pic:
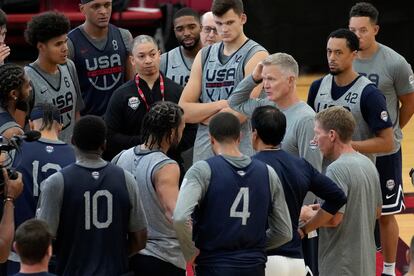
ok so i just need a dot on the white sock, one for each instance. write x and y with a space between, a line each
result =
389 269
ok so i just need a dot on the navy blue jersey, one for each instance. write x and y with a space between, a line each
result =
231 222
93 225
100 72
298 177
6 121
37 161
372 102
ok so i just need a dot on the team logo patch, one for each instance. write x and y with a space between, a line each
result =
384 116
49 149
241 173
390 184
313 145
411 79
133 103
95 175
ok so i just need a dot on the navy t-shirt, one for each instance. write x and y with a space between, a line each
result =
298 177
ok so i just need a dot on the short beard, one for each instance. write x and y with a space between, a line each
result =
335 73
192 47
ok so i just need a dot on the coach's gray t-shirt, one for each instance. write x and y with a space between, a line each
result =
176 66
393 75
299 135
349 248
144 164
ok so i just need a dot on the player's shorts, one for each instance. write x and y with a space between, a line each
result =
285 266
212 270
390 172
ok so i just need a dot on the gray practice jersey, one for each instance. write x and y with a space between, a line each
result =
299 135
162 242
220 75
53 190
100 44
176 66
394 77
350 100
349 248
61 89
194 188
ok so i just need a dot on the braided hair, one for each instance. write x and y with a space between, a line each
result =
160 122
12 77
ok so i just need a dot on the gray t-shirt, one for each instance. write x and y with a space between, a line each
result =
176 66
143 165
393 75
50 201
349 248
299 135
61 89
100 44
193 190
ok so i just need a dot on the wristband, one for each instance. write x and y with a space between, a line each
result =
257 82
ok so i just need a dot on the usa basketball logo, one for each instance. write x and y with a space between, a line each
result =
390 184
49 149
104 72
133 103
95 175
384 116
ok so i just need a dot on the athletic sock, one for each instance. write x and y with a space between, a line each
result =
389 269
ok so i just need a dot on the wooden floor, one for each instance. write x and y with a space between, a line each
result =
406 221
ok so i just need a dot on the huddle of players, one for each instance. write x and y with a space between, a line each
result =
233 68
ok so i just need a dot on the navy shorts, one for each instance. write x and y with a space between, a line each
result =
390 172
230 271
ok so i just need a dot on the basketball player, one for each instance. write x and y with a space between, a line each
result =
93 208
14 90
33 243
344 87
158 177
298 177
53 76
230 221
36 161
176 64
100 52
216 71
394 77
279 73
4 49
209 34
346 243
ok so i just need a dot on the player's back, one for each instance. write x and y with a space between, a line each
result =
36 161
93 227
296 176
231 221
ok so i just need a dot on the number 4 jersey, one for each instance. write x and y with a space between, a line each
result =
37 161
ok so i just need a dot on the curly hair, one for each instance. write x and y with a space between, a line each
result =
46 26
160 122
12 77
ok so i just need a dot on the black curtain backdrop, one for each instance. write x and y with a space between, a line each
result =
300 28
